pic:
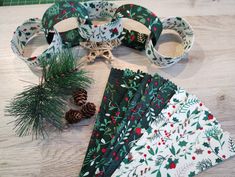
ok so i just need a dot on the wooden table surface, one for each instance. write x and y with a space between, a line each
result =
209 73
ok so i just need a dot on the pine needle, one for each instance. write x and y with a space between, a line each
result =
45 103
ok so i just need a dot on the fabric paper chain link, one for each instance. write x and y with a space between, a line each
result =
104 32
182 27
25 32
63 10
85 12
152 22
143 16
86 31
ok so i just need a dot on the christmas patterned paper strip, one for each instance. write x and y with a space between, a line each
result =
150 138
119 91
100 9
104 32
113 82
139 107
125 143
24 33
134 107
70 38
182 27
134 39
194 143
60 11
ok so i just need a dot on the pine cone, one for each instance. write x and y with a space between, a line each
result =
80 97
73 116
88 110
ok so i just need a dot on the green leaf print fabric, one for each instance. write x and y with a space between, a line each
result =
147 126
136 108
184 140
152 134
60 11
159 92
135 39
120 90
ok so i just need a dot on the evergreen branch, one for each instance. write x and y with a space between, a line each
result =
187 105
213 132
231 145
63 74
33 107
204 164
45 103
89 155
67 84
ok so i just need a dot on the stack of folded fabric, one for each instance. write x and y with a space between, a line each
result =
147 126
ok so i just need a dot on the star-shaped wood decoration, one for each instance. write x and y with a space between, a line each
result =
100 49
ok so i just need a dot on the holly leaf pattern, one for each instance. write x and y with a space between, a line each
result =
218 160
216 150
191 174
182 143
206 144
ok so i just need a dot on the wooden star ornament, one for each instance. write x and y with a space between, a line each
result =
100 49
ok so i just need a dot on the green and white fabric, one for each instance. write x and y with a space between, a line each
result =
184 140
185 31
63 10
104 32
24 33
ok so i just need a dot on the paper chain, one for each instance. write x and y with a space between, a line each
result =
87 32
24 33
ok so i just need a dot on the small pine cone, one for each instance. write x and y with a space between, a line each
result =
73 116
80 97
88 110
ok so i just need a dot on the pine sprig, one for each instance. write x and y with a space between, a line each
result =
45 103
231 145
59 65
64 75
33 107
204 164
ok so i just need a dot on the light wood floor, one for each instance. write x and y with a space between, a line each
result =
209 73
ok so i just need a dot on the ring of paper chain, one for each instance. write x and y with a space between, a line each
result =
60 11
24 33
104 32
185 31
134 39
